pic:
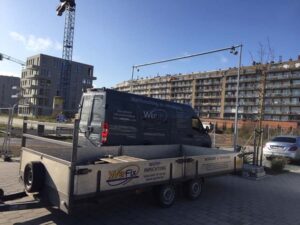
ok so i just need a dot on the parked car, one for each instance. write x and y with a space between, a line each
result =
286 146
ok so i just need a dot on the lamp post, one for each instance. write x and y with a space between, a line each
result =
233 50
237 100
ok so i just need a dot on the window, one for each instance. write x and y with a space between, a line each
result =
97 115
285 139
196 124
85 112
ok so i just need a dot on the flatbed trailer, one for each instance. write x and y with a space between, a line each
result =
69 174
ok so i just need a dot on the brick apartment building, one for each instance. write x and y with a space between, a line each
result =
212 94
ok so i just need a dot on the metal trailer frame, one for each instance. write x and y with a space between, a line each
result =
188 169
36 203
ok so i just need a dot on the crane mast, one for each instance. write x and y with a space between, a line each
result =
69 7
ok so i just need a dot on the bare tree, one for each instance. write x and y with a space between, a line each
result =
265 53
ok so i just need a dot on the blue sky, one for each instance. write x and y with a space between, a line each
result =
113 35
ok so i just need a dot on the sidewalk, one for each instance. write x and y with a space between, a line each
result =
226 200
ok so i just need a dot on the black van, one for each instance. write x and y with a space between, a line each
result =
109 117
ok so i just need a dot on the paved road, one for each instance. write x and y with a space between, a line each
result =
227 200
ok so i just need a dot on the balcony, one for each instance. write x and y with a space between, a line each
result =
36 76
32 67
210 103
253 80
248 103
210 97
268 95
249 88
231 81
248 96
209 90
283 77
278 86
273 112
229 103
30 86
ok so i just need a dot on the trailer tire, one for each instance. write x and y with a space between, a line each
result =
166 195
34 176
193 189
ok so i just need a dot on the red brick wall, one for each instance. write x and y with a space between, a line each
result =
272 124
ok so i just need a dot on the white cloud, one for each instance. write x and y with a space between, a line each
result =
36 44
58 46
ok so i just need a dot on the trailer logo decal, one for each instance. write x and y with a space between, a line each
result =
123 175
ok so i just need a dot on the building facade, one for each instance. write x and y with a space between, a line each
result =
272 89
40 84
6 90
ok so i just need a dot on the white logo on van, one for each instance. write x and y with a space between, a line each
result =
156 115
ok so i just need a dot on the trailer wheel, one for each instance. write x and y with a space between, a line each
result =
34 176
193 189
166 195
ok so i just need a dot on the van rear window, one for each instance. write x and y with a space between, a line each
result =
85 111
98 112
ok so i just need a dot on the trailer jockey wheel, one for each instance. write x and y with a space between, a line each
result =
166 195
34 176
193 189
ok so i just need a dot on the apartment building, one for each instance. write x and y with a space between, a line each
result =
6 91
40 84
271 88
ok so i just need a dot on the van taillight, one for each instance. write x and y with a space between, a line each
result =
104 133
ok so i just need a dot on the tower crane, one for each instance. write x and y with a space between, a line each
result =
3 56
69 7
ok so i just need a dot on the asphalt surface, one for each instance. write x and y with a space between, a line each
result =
226 200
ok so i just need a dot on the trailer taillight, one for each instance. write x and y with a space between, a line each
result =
104 133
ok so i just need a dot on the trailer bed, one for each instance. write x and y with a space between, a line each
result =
73 172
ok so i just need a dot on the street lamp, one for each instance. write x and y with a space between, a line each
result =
233 50
237 96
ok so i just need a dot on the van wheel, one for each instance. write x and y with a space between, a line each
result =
166 195
193 189
34 176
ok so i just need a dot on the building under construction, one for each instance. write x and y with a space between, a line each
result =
273 89
40 84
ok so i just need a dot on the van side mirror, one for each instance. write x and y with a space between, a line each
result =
207 129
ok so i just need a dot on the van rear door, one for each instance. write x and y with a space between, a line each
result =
98 129
85 112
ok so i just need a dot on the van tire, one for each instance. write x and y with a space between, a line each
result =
166 195
193 189
34 176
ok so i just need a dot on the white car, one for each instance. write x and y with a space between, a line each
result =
285 146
